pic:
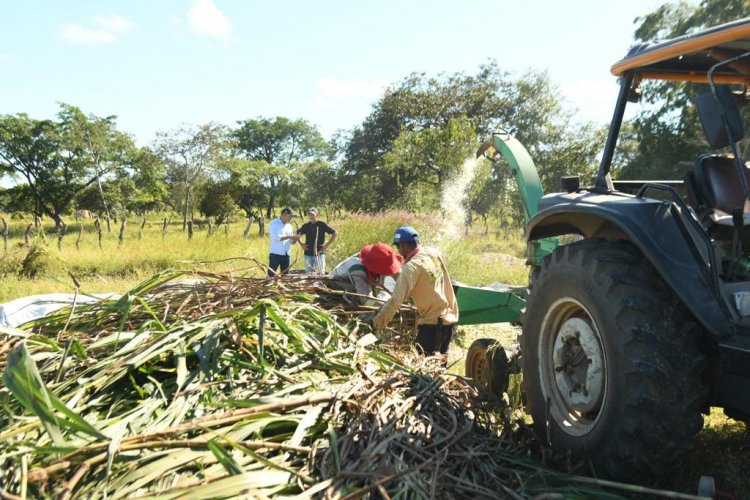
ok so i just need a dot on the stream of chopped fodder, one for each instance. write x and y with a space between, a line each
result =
229 387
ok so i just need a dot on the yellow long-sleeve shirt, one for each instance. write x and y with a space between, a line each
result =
425 279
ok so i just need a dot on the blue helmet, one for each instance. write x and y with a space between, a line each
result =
406 234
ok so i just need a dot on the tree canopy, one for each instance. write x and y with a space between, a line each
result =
283 145
666 136
423 128
59 159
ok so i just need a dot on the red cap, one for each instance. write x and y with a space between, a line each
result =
380 258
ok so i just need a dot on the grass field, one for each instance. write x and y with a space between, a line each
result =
476 259
720 449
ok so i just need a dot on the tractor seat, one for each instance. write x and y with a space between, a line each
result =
714 190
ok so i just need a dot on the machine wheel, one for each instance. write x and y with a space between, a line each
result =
487 365
611 361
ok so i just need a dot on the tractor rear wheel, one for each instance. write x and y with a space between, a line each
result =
611 361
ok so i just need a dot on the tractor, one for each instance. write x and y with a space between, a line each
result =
642 323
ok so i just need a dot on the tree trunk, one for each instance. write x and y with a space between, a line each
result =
187 205
190 229
164 228
246 232
104 200
5 235
271 205
261 226
60 234
59 222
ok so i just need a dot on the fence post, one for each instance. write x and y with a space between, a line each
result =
80 235
98 226
26 235
121 238
143 224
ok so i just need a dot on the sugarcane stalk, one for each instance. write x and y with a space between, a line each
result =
210 421
43 474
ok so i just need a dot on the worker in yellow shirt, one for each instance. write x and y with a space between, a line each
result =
424 278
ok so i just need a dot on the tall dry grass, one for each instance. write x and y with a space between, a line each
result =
474 259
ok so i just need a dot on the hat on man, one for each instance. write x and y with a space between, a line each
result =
406 234
287 210
380 259
312 210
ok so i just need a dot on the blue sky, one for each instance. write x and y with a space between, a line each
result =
157 64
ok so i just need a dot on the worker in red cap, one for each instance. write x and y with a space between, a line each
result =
365 272
424 278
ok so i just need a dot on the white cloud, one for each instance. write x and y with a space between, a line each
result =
7 58
332 91
206 19
114 24
100 30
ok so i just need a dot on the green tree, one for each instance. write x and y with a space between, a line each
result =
147 172
139 188
18 198
317 184
483 192
392 155
246 187
217 201
98 144
415 104
666 135
55 159
425 159
283 145
191 154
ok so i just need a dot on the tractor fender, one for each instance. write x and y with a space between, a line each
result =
657 229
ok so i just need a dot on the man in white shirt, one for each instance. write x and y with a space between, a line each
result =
282 236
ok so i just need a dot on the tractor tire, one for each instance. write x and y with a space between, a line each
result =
611 361
487 364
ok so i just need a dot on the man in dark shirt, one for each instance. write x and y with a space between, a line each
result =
314 243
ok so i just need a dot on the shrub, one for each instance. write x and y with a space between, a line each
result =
38 261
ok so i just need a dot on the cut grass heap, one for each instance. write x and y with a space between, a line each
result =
255 387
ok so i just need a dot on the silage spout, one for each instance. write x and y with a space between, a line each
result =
487 148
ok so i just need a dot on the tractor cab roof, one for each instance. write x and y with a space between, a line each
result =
689 57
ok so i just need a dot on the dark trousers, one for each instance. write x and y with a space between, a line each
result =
434 338
276 261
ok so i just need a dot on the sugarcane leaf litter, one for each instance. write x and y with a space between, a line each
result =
221 387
